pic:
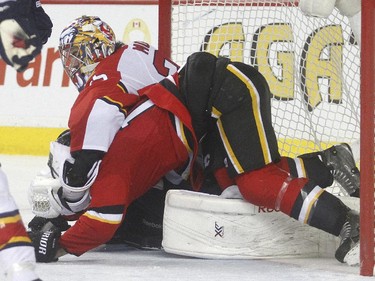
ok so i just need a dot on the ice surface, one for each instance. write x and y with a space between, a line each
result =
115 263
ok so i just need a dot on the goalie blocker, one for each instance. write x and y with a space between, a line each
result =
209 226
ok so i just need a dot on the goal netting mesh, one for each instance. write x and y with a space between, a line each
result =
312 64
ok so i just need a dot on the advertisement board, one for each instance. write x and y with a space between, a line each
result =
35 104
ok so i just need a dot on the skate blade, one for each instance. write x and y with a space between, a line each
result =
352 257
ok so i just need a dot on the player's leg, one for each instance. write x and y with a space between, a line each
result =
143 223
309 166
335 162
303 200
140 155
250 142
16 251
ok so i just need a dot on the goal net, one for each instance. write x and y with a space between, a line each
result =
312 64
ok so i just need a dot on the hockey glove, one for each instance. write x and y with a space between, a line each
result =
46 244
42 224
43 23
24 28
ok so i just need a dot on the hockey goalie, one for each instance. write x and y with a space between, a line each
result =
207 224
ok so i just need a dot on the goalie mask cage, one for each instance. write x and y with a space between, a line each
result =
312 66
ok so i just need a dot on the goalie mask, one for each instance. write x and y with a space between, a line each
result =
83 44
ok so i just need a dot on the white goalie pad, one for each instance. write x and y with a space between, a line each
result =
209 226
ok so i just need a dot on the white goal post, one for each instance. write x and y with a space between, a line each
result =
312 64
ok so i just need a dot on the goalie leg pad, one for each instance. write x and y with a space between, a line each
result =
209 226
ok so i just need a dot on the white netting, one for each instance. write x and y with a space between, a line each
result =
39 201
312 64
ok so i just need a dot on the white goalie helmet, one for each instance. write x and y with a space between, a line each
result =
83 44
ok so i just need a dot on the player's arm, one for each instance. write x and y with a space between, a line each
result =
80 171
47 187
24 28
50 204
94 123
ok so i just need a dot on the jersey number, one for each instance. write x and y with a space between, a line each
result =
160 63
98 77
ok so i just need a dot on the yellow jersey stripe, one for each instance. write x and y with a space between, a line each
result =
215 113
300 166
119 104
16 239
257 114
104 218
308 204
12 219
122 87
181 133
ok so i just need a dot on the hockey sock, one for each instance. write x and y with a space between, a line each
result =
316 170
299 198
307 166
270 187
319 208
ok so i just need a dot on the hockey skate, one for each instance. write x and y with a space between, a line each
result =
340 159
349 235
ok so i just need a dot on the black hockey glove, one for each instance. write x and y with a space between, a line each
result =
84 169
42 224
46 244
42 21
24 28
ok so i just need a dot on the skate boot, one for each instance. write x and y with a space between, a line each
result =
349 235
340 159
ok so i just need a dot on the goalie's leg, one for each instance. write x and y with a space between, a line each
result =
302 200
142 226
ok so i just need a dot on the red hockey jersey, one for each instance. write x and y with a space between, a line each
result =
100 109
96 116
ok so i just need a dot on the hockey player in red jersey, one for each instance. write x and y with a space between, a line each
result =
123 143
24 28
